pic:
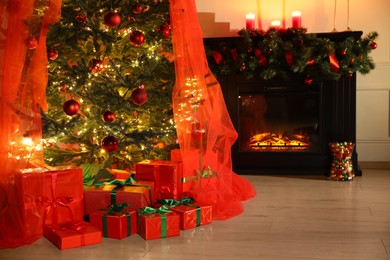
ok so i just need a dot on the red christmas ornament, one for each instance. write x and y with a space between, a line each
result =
343 52
31 43
217 57
112 19
243 67
373 45
308 80
257 52
71 107
350 74
234 54
52 54
289 57
96 65
110 143
263 60
108 116
137 38
165 30
139 96
137 8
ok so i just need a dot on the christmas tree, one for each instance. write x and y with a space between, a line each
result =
110 83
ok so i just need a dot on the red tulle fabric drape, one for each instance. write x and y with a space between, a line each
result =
23 80
204 128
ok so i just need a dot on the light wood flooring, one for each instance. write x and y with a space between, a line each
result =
292 217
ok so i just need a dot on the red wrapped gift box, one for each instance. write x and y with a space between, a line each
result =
119 225
176 155
193 215
71 235
167 176
51 195
158 225
119 174
96 198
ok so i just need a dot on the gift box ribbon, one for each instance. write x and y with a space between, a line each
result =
206 173
131 181
116 209
161 211
184 201
77 227
53 202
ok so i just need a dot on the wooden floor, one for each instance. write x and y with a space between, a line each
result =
291 217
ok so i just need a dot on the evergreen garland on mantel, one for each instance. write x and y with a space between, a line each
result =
291 53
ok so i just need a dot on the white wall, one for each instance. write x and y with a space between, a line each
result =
373 90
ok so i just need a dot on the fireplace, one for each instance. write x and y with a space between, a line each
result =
286 127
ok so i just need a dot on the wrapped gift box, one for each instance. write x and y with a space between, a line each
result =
167 176
158 225
176 155
71 235
118 225
96 198
193 215
51 195
119 174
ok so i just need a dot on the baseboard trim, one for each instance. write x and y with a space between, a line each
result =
374 165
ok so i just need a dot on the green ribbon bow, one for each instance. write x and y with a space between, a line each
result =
114 208
131 181
205 173
174 203
160 211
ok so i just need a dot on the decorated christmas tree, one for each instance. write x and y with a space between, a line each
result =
110 83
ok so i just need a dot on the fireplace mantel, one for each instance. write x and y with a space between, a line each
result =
337 118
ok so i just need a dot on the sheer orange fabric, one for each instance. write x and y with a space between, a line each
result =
23 79
204 128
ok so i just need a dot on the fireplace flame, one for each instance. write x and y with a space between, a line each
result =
279 141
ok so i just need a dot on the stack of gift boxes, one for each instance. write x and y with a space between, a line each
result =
151 203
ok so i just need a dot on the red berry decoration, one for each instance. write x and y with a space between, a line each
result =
71 107
311 62
52 54
31 43
137 8
96 65
137 38
108 116
373 45
63 88
308 80
81 18
139 96
110 143
112 19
